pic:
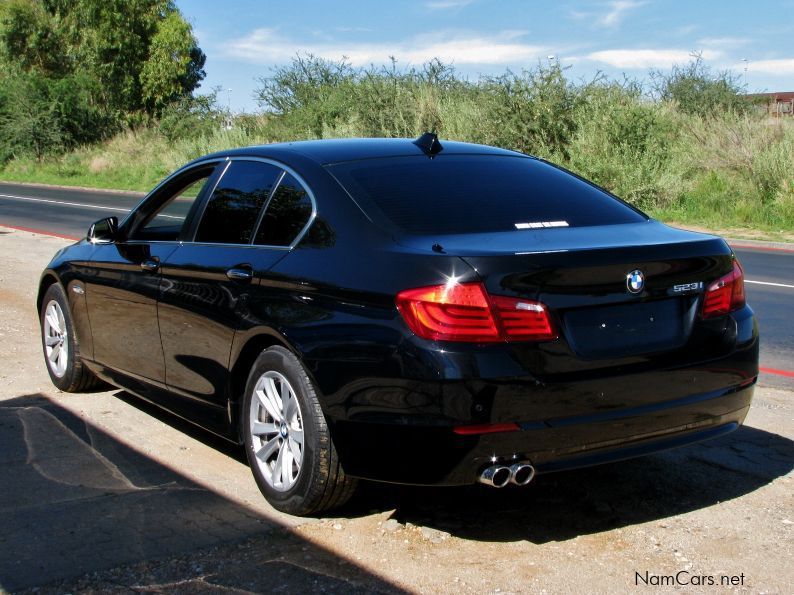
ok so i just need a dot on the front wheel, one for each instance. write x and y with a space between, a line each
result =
60 345
287 441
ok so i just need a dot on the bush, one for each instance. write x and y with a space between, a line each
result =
696 90
191 117
624 143
532 112
311 94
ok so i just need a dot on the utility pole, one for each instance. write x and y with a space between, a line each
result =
746 89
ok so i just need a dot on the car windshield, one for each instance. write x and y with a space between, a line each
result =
453 194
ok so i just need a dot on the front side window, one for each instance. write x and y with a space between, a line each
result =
234 207
166 222
287 214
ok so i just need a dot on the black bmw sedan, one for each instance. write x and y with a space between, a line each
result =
418 312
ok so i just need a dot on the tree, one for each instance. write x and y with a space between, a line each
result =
141 53
28 118
89 67
174 66
29 38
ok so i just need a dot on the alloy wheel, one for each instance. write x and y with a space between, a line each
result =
276 427
56 339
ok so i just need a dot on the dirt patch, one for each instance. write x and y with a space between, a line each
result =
98 164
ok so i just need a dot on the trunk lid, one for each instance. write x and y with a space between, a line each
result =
580 274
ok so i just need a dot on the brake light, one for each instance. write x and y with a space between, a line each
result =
465 312
726 294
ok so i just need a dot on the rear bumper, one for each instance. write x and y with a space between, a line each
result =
433 455
400 427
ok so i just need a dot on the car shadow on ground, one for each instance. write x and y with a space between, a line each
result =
560 506
76 500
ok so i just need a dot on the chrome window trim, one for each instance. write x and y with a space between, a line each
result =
302 182
183 243
228 160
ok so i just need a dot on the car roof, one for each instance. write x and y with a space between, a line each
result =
329 151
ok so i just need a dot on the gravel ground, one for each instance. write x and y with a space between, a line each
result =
719 512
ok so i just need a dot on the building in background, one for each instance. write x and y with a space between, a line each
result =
780 104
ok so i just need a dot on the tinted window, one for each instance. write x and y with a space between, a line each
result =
477 193
234 207
286 214
166 223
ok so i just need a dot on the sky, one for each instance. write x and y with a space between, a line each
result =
247 39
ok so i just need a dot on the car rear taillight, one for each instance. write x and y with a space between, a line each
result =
726 294
450 312
523 320
466 312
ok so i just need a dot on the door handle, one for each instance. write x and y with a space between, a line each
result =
239 274
150 265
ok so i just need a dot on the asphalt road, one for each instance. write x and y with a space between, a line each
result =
61 211
769 273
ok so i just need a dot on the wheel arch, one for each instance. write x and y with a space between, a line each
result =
243 357
48 279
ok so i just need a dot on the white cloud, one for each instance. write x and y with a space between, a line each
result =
648 58
268 46
617 11
609 14
773 67
445 4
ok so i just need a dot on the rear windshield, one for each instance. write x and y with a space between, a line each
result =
477 193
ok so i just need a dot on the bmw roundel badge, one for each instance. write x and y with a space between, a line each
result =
635 281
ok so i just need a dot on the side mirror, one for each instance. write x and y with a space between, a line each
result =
103 231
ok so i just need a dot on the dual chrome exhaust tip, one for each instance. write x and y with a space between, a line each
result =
498 476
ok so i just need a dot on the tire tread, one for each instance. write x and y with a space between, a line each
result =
332 487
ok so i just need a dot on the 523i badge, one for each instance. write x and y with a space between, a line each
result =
685 287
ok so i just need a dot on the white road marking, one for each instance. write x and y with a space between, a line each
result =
76 204
768 283
64 203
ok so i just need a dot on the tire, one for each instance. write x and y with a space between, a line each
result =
60 345
311 479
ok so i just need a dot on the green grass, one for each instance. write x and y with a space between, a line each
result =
130 161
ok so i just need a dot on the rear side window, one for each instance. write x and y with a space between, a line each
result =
477 193
287 214
235 204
